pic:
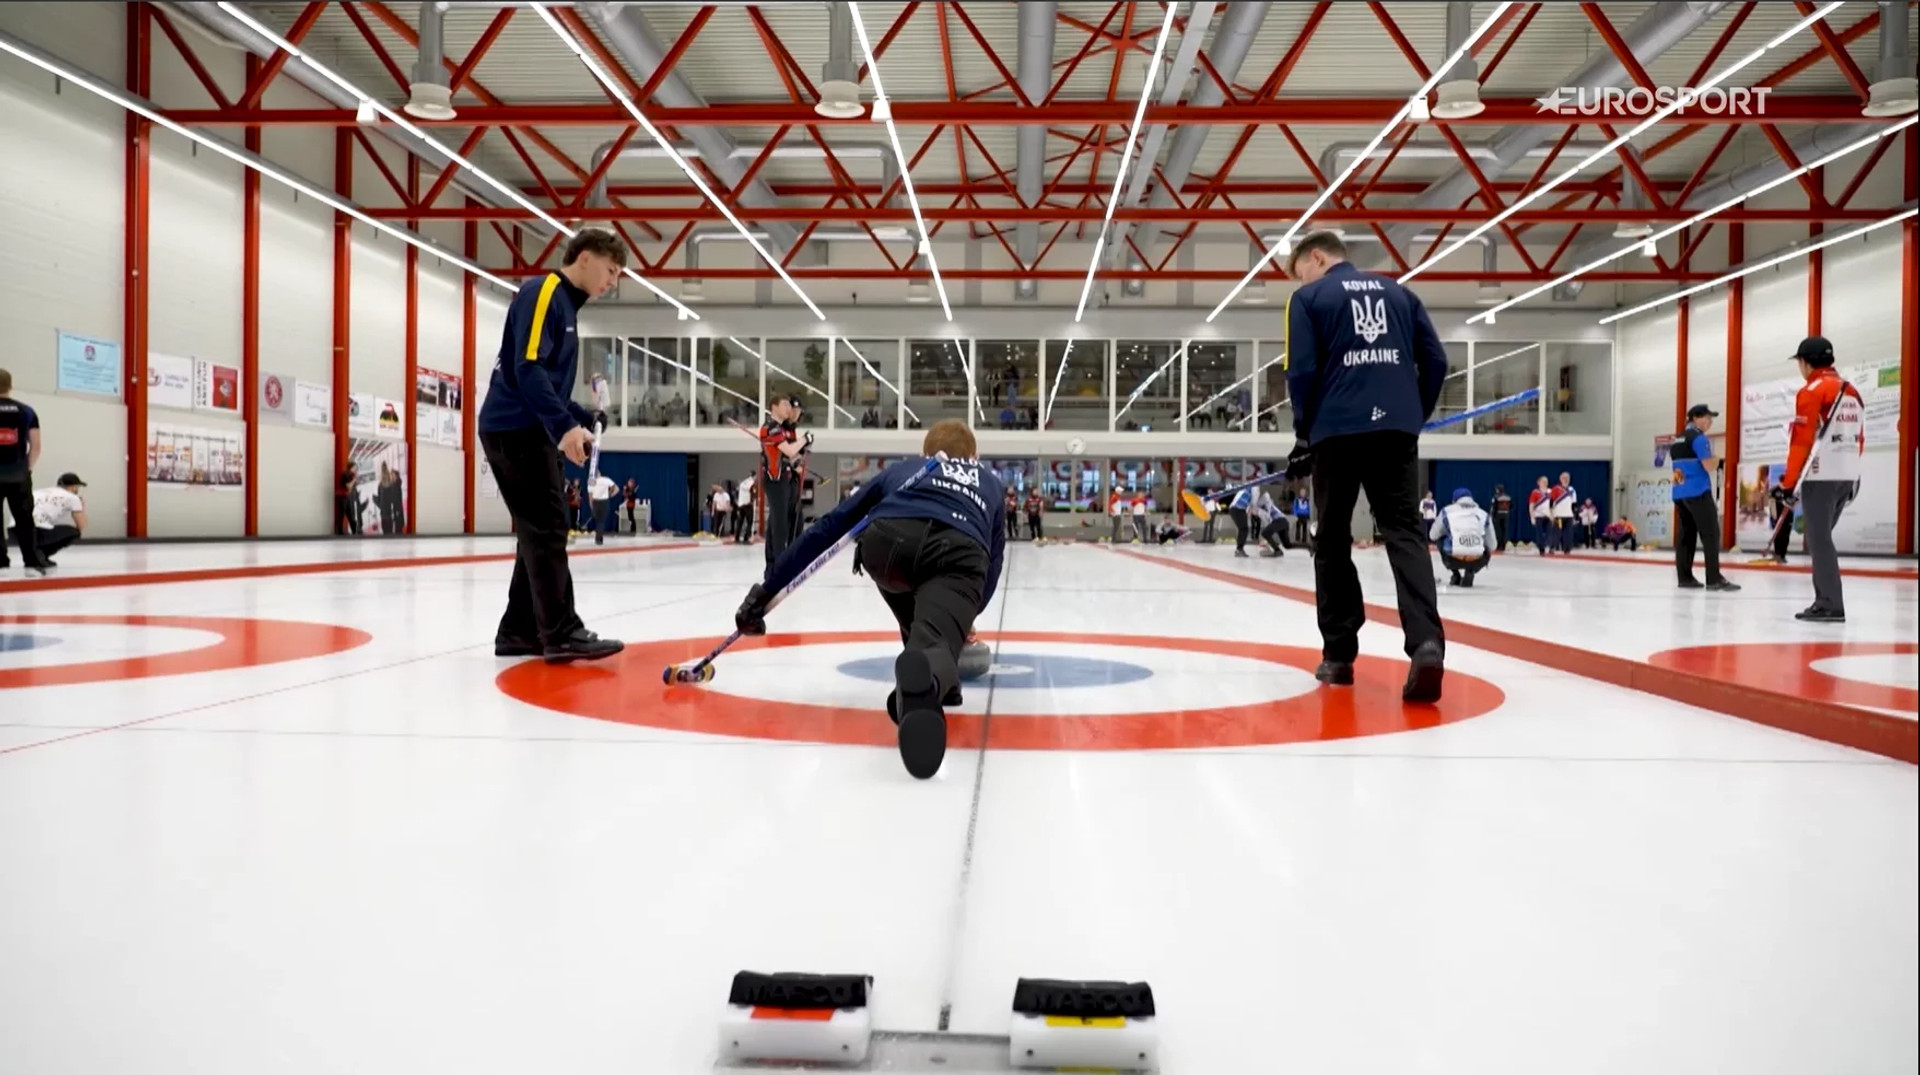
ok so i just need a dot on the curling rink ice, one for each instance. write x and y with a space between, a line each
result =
269 815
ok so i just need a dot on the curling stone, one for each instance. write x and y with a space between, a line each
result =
975 660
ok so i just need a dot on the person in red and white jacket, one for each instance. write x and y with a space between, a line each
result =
1827 439
1564 498
1540 510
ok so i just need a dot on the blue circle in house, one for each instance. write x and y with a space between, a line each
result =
11 642
1024 671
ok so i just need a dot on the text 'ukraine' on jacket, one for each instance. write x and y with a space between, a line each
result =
1362 356
958 492
532 381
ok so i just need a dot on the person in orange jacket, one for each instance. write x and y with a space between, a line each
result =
1828 437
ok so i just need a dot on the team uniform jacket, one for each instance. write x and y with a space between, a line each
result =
1362 356
1563 501
774 461
1462 530
1690 451
532 382
17 423
1540 504
1034 503
959 492
1828 398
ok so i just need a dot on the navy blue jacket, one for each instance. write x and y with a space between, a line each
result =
17 423
1362 356
960 492
532 382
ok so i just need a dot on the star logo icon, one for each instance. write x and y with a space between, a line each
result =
1553 102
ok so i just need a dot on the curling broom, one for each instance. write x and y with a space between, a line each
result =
1199 506
602 399
701 671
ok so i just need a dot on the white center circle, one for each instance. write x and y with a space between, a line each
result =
1179 680
1886 669
80 643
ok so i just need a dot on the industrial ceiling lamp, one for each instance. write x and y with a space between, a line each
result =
428 94
1459 96
693 291
918 291
1255 293
1630 198
1490 295
839 92
1894 91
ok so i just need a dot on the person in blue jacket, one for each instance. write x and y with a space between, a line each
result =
1699 515
528 422
1364 367
934 549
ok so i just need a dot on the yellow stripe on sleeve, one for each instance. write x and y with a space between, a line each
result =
1286 335
540 315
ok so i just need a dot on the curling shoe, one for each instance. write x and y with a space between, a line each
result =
922 733
1335 673
515 647
1423 679
953 699
582 645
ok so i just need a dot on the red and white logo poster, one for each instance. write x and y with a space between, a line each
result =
276 396
216 388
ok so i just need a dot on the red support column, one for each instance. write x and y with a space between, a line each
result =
342 297
134 330
1909 356
1816 263
1680 364
410 413
250 320
469 341
1736 346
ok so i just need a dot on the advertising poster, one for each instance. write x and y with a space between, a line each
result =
88 365
451 393
1650 506
312 404
426 406
216 387
360 414
276 396
388 422
1767 407
187 456
169 382
380 483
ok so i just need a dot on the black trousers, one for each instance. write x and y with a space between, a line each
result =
1782 537
1699 522
1013 525
1387 466
346 514
54 538
1467 568
1239 516
782 505
1275 533
16 498
1500 531
1300 534
1033 526
526 466
931 576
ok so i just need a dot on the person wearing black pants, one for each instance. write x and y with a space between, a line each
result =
934 548
1699 516
1365 367
1502 511
780 451
1239 516
527 424
19 451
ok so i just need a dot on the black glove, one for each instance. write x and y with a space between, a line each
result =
751 617
806 442
597 421
1784 498
1300 460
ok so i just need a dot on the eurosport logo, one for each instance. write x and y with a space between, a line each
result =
1640 101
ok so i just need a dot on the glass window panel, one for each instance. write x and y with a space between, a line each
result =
936 381
729 389
1015 473
866 374
1502 369
1453 390
599 355
1156 365
1072 484
800 367
658 384
1217 375
1077 384
1006 382
1151 477
1579 388
1275 401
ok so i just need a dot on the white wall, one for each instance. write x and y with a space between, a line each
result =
296 300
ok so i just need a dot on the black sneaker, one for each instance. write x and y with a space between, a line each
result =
953 699
582 645
1239 552
1821 615
1691 584
515 647
1723 586
922 734
1335 673
1423 679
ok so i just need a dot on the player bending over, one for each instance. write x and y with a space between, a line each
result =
934 549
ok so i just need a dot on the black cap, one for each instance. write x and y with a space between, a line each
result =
792 398
1815 351
71 478
1701 410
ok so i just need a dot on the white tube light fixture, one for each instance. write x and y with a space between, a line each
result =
1680 101
1046 412
1154 376
878 376
369 107
619 94
1244 419
1126 155
1414 104
1698 217
55 66
883 113
1796 252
